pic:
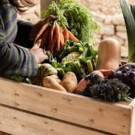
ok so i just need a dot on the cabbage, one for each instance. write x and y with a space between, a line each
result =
126 73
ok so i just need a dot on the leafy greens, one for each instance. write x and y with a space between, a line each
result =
75 16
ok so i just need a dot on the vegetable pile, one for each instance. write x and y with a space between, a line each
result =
79 58
105 82
74 64
66 20
53 36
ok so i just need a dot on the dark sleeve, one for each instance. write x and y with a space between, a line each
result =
14 60
22 38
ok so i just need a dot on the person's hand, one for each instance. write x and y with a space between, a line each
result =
39 54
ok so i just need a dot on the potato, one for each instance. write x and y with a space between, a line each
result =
69 81
53 83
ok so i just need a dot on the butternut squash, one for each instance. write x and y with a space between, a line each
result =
109 54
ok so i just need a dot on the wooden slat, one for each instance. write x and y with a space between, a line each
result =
115 118
133 122
22 123
132 104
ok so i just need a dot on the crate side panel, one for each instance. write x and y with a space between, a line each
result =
132 104
69 107
133 122
22 123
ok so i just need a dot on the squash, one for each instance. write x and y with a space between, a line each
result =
44 70
109 54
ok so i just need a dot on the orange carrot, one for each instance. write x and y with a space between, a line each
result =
43 28
65 34
44 38
57 45
34 30
72 37
48 39
62 41
51 45
55 36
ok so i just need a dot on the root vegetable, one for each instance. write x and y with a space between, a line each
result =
52 35
53 83
85 82
69 81
44 27
61 39
65 34
57 45
44 38
51 38
72 37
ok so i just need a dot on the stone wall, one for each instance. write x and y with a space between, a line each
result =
112 25
106 12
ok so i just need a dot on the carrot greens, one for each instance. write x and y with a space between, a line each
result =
75 16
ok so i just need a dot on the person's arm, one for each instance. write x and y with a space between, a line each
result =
14 60
23 34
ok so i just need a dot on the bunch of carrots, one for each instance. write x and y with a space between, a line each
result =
53 36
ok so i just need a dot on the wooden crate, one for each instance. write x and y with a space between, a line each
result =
32 110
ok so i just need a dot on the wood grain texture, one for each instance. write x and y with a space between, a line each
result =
113 118
22 123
